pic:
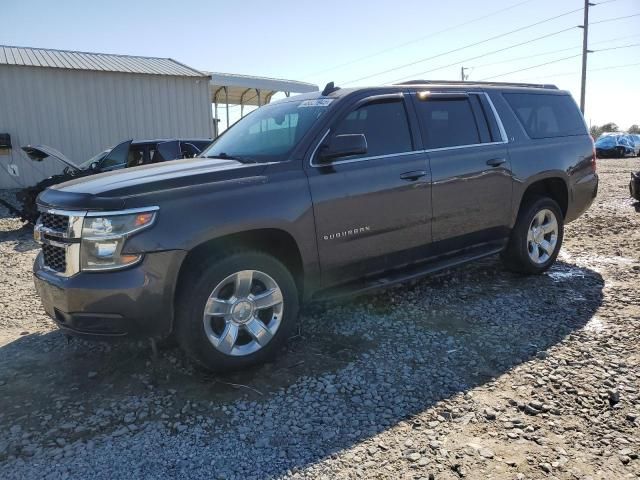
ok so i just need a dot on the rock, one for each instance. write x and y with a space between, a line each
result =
489 414
614 396
414 457
486 453
545 467
624 459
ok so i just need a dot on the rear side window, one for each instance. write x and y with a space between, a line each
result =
447 122
384 125
547 116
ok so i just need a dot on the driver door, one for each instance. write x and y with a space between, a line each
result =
373 210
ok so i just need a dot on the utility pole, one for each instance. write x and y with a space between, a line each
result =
585 52
463 76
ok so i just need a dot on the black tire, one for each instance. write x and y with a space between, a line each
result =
516 256
620 152
194 292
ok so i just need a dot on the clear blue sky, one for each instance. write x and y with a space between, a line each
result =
304 40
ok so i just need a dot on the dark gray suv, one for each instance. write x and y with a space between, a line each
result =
315 196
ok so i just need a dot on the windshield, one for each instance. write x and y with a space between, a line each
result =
269 133
95 158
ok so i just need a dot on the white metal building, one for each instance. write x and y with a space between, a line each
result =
81 103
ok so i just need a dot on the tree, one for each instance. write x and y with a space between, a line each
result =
635 128
596 130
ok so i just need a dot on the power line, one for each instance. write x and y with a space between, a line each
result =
561 59
614 19
531 67
484 54
617 48
410 42
611 67
465 46
552 51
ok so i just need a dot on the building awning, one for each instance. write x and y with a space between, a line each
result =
249 90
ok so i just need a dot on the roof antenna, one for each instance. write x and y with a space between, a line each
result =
329 88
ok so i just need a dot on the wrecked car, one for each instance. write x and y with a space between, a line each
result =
124 155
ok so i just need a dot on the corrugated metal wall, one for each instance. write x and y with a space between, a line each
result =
81 113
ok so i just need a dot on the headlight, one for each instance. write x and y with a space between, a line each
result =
103 239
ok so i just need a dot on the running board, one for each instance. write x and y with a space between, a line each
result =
411 272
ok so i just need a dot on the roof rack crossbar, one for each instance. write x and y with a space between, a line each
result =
498 84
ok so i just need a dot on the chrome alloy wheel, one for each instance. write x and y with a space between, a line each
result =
542 236
243 313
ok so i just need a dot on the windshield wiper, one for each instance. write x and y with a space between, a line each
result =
226 156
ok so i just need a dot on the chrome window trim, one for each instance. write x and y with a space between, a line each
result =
503 134
457 147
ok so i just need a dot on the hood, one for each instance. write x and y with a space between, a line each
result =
110 190
38 153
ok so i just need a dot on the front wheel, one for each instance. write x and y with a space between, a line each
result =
536 237
236 311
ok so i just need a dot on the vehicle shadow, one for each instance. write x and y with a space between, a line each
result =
381 359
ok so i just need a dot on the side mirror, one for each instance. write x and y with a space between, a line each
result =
94 165
343 146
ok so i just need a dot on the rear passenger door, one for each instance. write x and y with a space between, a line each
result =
471 172
372 211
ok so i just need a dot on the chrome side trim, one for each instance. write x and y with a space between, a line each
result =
64 213
127 211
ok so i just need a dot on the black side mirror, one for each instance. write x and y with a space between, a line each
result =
343 146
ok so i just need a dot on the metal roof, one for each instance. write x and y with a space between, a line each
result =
242 89
101 62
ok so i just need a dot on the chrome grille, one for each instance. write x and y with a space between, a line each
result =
55 257
54 221
59 232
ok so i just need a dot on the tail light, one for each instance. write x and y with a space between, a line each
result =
594 165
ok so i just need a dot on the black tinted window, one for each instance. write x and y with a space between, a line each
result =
544 116
384 124
447 123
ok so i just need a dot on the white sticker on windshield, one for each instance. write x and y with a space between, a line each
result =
318 102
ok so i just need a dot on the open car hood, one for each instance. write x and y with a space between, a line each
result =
38 153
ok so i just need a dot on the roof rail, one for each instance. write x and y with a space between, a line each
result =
497 84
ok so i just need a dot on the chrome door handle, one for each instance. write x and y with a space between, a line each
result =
415 175
496 162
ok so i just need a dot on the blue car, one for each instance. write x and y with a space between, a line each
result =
614 146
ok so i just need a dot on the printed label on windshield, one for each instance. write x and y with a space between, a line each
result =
319 102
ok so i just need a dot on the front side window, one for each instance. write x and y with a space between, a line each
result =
269 133
384 125
447 122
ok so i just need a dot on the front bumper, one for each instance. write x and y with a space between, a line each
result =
137 301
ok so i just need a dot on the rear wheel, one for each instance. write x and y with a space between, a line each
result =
236 311
536 237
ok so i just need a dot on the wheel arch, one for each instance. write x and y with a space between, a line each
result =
272 241
554 187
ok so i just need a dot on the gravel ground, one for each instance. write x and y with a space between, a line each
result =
473 373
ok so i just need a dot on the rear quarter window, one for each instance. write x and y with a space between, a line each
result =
547 116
